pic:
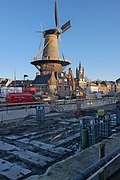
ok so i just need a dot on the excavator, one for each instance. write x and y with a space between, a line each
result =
71 82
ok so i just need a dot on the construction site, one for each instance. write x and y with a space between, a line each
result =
61 138
29 146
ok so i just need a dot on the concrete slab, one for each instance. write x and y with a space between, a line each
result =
13 137
24 140
45 146
51 148
12 171
6 147
64 123
26 155
31 157
42 144
70 138
61 150
73 120
71 166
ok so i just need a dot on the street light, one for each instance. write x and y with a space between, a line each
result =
25 75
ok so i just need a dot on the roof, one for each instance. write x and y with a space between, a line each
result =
118 80
62 75
3 81
92 84
20 83
42 79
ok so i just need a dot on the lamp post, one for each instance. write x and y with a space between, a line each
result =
25 75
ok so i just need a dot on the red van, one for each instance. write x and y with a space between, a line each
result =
20 98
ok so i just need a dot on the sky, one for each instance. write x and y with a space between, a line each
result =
93 39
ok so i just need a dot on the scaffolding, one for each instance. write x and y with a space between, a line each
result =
93 134
96 128
89 124
104 128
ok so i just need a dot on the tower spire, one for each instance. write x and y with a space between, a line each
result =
80 65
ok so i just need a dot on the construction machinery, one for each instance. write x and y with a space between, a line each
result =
71 82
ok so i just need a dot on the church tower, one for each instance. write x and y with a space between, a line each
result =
80 76
80 73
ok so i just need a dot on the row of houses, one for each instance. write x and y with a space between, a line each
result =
88 87
63 85
105 87
56 84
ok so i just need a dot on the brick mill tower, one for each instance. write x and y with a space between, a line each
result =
51 60
51 64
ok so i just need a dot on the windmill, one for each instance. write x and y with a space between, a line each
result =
51 60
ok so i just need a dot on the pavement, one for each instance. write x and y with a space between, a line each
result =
68 168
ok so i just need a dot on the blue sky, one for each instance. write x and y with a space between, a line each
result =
93 39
